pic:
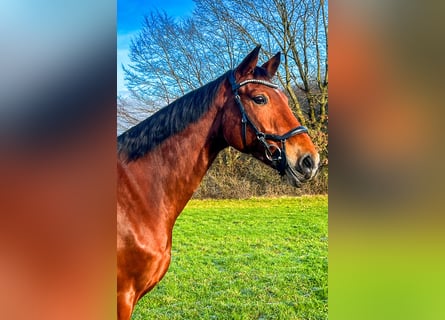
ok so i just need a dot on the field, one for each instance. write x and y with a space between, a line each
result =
264 258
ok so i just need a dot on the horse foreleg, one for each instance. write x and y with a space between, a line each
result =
125 304
146 272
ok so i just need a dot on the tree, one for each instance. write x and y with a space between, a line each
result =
171 57
298 29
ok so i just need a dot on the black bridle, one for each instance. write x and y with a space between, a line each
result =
273 152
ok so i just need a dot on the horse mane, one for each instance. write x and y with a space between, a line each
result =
170 120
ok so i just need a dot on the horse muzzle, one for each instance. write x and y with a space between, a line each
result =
304 170
308 166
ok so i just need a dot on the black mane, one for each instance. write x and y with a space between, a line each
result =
143 137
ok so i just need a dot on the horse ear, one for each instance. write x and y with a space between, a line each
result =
248 64
271 66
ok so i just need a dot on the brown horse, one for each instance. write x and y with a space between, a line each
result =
162 160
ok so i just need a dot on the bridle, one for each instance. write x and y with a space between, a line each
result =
273 152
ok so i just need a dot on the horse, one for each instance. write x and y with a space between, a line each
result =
162 160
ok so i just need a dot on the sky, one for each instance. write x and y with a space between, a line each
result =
129 20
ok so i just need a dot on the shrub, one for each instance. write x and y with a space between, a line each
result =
238 176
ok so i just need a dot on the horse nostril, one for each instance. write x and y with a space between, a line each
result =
307 164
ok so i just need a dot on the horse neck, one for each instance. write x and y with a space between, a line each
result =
170 174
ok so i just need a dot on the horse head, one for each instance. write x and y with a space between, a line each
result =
257 120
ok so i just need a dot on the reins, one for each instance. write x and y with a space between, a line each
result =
274 153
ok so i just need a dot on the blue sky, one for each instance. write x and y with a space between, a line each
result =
129 19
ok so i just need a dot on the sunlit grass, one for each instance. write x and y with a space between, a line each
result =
245 259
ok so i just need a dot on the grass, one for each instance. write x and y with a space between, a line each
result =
260 258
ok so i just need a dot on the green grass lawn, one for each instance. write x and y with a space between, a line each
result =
261 258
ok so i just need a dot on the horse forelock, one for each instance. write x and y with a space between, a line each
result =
260 72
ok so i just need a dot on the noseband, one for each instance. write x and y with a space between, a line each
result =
274 153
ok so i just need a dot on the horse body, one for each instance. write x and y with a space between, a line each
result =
155 181
151 196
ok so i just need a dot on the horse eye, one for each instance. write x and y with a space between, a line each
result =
260 99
